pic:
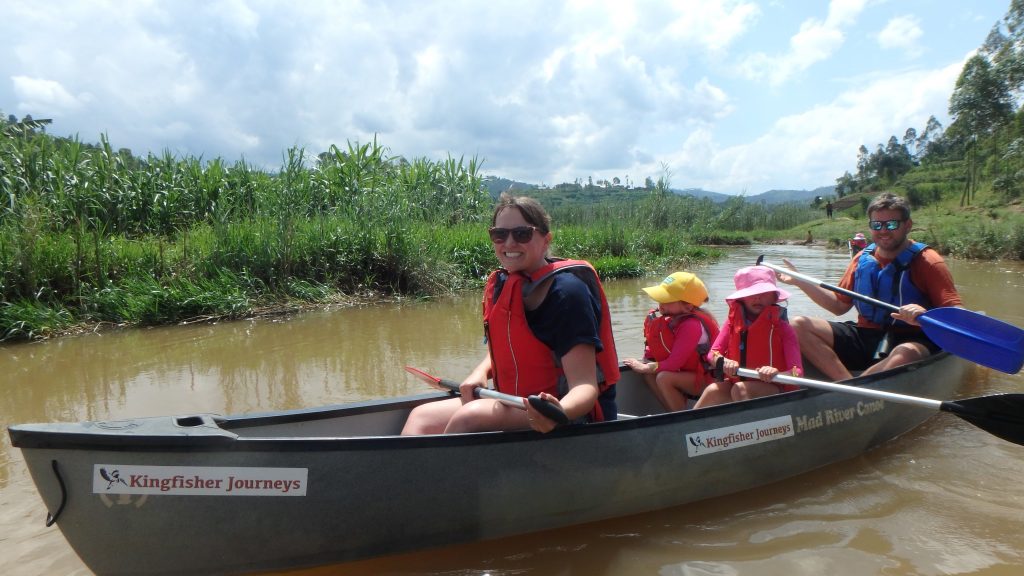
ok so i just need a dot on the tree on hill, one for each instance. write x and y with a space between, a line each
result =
985 140
930 142
981 101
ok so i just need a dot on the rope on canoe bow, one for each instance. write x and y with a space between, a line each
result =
51 518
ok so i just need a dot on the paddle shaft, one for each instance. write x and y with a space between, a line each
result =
1001 415
480 392
550 411
833 387
828 286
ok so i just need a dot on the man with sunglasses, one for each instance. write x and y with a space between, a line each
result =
893 269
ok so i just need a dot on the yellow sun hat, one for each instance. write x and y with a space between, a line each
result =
679 287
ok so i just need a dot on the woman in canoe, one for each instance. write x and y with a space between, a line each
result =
756 335
677 336
548 332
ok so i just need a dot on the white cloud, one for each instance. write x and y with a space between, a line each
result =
814 42
902 33
814 147
712 25
541 91
42 94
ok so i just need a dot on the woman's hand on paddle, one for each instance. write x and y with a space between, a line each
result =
468 388
538 421
767 373
909 313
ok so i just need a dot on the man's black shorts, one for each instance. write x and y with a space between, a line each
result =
856 346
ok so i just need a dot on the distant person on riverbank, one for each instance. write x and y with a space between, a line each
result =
756 335
893 269
548 330
828 210
857 243
677 336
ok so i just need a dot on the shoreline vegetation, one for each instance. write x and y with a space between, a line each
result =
92 238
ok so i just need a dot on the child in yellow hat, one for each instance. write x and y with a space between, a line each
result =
678 335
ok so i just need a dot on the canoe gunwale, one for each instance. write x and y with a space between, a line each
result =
221 437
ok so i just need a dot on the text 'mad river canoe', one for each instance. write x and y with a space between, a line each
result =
207 494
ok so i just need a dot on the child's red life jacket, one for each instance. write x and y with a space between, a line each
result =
659 332
760 343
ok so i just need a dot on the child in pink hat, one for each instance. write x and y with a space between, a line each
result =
677 337
756 335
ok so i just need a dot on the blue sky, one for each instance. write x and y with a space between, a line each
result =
734 96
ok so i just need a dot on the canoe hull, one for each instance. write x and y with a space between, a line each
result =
369 495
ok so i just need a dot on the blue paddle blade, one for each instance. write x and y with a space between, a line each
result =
976 337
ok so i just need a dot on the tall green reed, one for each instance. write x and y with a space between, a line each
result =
89 233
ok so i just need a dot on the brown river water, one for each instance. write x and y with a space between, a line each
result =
946 498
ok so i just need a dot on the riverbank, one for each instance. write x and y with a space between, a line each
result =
991 229
428 263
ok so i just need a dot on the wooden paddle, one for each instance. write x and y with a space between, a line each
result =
1001 415
970 335
549 410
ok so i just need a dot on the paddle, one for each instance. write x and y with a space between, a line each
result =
549 410
1001 415
976 337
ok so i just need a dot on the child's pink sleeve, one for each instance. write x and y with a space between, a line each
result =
687 336
721 343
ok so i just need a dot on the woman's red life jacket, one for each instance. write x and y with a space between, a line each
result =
659 333
760 343
523 365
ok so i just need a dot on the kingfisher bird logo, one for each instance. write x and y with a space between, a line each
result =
113 477
697 442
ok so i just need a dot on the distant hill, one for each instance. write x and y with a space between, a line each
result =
769 197
801 196
495 185
701 193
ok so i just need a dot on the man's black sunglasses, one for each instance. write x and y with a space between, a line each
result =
877 225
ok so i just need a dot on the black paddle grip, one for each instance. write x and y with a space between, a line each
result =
549 410
719 372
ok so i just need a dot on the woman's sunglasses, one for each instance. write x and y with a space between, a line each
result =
877 225
521 234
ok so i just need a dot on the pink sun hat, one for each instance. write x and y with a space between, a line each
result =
755 280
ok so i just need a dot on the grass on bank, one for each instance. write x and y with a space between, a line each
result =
233 270
990 226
